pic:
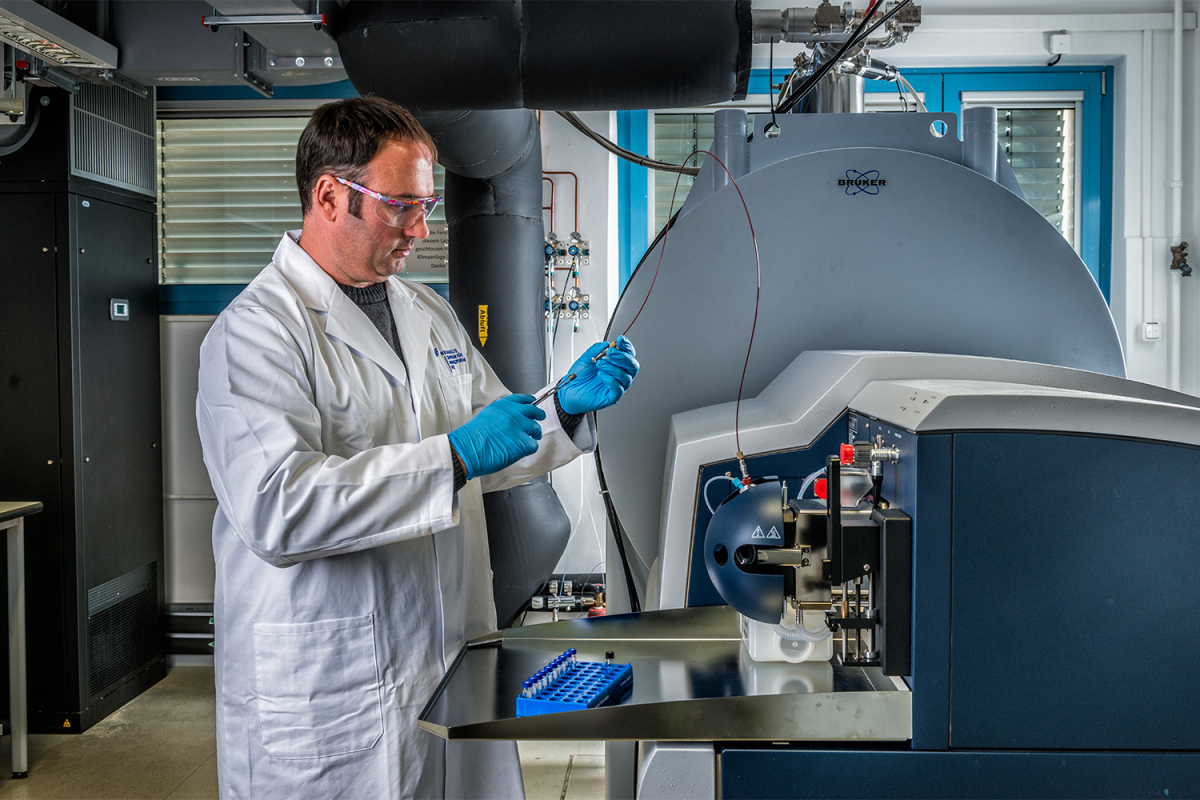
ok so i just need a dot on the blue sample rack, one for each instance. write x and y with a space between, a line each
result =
581 684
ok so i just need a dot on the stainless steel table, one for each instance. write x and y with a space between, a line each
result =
12 519
692 681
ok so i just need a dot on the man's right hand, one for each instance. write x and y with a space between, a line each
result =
501 434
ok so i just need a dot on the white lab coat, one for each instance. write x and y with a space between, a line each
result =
349 572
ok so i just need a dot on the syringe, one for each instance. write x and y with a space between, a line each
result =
553 389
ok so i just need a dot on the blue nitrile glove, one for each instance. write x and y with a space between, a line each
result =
601 384
501 434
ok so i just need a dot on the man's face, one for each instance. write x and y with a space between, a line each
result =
372 250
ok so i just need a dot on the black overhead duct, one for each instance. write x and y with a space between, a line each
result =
582 55
496 57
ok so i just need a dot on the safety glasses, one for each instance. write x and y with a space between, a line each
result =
395 212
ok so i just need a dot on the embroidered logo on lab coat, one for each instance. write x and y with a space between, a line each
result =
453 357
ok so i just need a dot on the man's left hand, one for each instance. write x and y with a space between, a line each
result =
599 384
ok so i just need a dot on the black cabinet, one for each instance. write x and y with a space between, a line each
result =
80 426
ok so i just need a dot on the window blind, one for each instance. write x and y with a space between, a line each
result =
676 136
227 193
1040 146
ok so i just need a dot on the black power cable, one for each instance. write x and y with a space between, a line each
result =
621 152
618 535
771 78
610 509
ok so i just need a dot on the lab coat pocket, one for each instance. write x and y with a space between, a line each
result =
456 394
318 687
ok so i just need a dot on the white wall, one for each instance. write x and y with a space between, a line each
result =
188 500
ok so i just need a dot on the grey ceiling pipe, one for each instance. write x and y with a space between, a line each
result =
730 146
979 140
581 55
982 150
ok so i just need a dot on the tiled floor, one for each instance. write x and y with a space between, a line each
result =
163 745
563 770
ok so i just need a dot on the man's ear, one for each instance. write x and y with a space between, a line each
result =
327 200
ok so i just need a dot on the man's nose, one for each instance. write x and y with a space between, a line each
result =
419 229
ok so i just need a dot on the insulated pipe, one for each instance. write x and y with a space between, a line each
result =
583 55
979 140
493 162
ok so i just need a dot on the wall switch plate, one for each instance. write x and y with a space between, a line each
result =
118 310
1150 331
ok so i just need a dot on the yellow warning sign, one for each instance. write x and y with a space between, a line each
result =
483 325
66 723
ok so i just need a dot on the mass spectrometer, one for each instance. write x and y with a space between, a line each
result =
986 599
1002 575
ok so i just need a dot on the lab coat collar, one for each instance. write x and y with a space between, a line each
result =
343 320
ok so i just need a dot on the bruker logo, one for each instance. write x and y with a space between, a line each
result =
861 182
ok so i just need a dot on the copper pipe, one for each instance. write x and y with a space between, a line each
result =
576 177
550 207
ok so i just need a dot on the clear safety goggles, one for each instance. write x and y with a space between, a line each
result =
397 213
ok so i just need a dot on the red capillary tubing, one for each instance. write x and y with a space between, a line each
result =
741 458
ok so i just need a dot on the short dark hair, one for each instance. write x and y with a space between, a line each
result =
342 137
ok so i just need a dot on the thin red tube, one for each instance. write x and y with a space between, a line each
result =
550 207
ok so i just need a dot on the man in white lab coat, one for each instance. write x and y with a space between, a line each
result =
350 429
